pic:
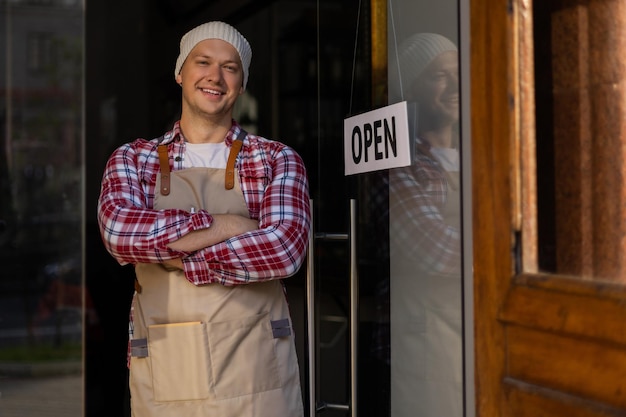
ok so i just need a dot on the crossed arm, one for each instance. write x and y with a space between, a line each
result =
225 226
209 247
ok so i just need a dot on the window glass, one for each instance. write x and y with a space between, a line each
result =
41 285
580 68
426 282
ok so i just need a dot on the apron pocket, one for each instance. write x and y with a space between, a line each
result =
180 363
243 356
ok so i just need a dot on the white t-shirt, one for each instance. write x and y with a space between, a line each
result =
447 157
207 155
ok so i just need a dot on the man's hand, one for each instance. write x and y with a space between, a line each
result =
224 227
174 263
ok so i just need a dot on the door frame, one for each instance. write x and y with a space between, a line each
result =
523 317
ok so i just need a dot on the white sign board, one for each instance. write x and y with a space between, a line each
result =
377 140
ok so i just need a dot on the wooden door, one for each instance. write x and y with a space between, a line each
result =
550 341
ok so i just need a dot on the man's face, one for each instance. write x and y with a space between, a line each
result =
437 89
212 79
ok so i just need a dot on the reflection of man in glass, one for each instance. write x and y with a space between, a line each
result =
424 217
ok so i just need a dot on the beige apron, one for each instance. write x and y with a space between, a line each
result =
210 350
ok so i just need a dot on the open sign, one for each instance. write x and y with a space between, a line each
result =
377 140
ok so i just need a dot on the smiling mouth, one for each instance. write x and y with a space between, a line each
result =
212 92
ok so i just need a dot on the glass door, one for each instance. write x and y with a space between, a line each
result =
385 284
426 282
348 270
386 281
323 75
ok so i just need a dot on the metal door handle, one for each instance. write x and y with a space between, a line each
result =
310 297
354 319
354 309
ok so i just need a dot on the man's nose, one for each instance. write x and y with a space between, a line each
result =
453 81
214 73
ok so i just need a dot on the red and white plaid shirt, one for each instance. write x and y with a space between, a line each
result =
275 187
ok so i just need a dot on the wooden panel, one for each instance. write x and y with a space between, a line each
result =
491 206
580 367
569 306
527 400
567 337
544 345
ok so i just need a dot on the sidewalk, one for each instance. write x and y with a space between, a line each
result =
36 392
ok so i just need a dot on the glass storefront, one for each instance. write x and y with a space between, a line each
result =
43 312
426 274
385 330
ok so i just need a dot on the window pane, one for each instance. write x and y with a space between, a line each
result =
41 285
580 68
426 281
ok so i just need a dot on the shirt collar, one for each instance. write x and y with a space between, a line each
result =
177 135
234 133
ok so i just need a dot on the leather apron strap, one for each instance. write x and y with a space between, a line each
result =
165 169
229 180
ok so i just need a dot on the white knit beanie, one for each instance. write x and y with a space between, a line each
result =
215 30
414 55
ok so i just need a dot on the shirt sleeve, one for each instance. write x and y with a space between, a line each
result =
131 230
278 248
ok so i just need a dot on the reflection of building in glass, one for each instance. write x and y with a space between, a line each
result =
41 86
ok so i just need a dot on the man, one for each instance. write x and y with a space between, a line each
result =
211 230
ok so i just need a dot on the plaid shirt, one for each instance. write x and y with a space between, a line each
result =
418 195
413 199
275 187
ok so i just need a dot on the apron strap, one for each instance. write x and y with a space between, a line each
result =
229 182
165 169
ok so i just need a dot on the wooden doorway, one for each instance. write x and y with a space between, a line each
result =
550 340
